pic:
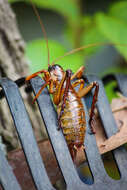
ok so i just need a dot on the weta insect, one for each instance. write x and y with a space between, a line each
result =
71 113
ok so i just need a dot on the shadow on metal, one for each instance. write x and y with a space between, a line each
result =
24 129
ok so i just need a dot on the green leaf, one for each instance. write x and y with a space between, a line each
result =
115 69
115 30
91 35
109 88
119 10
36 51
68 8
15 1
73 62
12 1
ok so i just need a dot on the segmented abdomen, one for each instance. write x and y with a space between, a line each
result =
73 119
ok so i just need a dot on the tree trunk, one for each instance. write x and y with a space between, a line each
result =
13 64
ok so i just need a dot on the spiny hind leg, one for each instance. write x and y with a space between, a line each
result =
65 94
57 95
92 114
83 92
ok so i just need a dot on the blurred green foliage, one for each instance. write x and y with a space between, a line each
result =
81 29
114 29
109 88
56 50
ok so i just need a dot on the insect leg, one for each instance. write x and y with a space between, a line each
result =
57 94
92 114
35 74
39 92
83 92
78 82
68 82
79 73
51 90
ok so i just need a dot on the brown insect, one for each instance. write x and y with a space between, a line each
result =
71 113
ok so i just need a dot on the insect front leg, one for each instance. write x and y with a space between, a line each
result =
79 73
78 82
57 93
39 92
83 92
36 74
46 78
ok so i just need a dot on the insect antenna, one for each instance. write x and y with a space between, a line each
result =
84 47
42 28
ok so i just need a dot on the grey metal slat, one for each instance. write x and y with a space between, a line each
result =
122 83
93 155
26 135
110 126
104 108
101 180
7 178
122 155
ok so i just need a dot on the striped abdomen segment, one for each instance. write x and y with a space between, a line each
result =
73 119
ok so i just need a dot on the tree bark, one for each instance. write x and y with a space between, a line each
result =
13 65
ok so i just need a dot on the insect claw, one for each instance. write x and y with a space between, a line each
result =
75 147
91 131
59 125
58 128
83 147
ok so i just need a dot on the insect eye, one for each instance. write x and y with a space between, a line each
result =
51 68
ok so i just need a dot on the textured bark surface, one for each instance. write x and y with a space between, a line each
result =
13 65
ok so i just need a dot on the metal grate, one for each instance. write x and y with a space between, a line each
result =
24 129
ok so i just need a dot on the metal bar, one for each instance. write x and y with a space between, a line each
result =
25 132
7 178
121 153
94 158
110 127
122 83
101 179
104 108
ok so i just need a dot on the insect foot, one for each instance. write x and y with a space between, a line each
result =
91 123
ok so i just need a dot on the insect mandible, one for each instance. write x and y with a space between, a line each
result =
70 110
